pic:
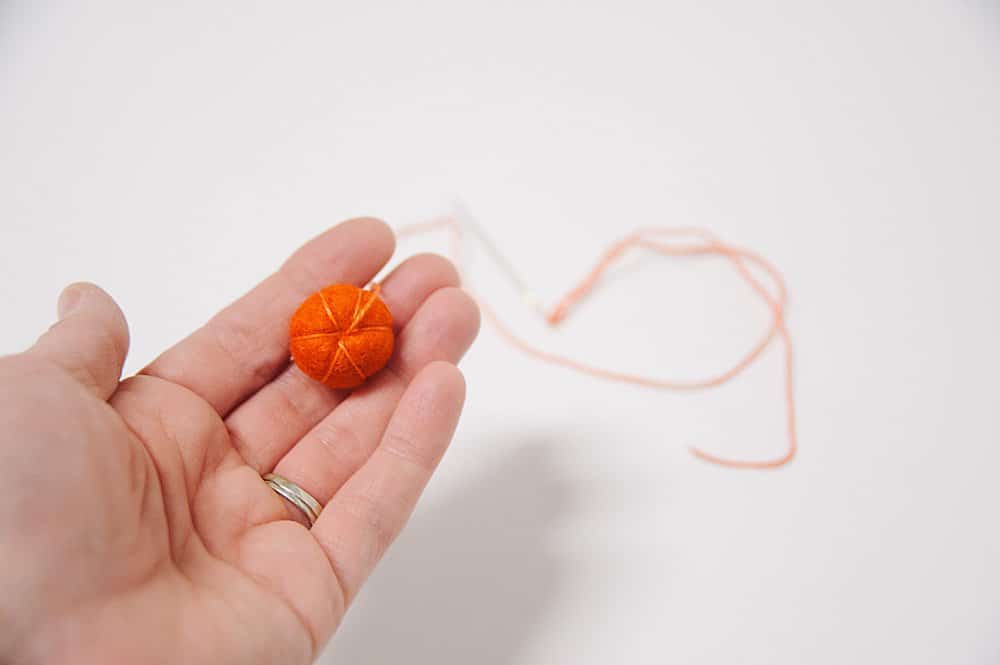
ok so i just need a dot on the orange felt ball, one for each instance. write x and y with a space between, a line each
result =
341 335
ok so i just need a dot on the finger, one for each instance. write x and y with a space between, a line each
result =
90 340
364 517
341 443
245 345
264 427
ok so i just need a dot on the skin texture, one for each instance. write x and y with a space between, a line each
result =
134 526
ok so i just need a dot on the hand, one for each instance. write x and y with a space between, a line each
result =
134 524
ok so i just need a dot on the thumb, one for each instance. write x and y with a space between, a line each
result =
89 341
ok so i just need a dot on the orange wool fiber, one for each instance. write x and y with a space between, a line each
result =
341 335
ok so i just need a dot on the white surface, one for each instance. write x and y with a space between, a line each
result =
176 153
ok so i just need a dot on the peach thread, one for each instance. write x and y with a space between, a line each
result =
653 239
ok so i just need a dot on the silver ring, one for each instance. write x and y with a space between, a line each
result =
295 495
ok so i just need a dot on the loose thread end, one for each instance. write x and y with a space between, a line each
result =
534 302
742 464
558 313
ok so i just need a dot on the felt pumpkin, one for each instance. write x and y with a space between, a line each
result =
341 335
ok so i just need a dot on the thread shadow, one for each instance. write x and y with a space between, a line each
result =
471 577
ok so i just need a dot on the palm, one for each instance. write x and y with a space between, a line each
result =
209 521
199 561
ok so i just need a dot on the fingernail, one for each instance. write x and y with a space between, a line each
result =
69 300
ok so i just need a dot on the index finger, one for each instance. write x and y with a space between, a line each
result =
246 344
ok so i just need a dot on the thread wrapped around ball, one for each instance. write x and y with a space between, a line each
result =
341 335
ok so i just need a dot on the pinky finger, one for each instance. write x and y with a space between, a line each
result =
365 516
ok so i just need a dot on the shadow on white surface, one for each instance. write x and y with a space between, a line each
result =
472 576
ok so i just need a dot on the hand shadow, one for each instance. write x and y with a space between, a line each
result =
471 576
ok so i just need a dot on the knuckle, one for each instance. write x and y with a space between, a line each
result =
405 448
240 342
110 346
302 278
295 393
368 510
340 441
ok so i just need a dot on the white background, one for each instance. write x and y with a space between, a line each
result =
176 152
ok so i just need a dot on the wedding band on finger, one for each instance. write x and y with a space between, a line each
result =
295 495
